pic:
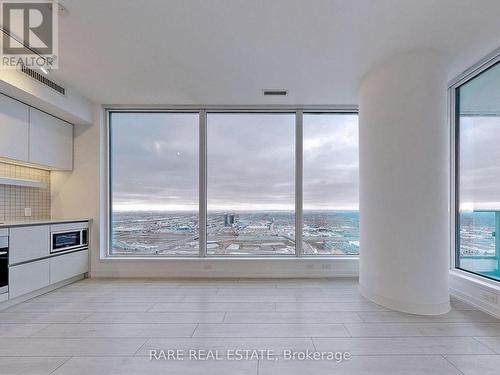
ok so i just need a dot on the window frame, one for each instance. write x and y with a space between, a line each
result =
454 86
314 256
296 179
202 112
109 186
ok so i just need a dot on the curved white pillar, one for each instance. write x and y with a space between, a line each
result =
403 140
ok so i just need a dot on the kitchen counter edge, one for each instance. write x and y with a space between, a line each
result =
11 224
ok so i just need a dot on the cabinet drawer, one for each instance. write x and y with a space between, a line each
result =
65 266
28 277
27 243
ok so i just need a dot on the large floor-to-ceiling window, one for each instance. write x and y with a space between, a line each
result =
478 174
251 184
153 167
330 184
233 183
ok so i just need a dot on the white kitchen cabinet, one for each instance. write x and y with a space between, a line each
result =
27 243
27 277
51 141
14 127
65 266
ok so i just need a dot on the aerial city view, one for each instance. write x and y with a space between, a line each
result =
250 187
241 233
267 233
250 184
477 234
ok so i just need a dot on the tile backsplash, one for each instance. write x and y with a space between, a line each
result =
14 199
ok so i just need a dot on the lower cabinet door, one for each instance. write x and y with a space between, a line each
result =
25 278
65 266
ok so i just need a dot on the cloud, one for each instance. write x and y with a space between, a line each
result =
480 162
250 160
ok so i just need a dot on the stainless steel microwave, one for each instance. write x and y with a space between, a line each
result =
70 239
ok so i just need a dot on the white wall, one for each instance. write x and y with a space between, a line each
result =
476 290
404 166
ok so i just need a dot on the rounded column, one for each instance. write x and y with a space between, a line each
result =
404 164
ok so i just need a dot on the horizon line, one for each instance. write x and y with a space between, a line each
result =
238 210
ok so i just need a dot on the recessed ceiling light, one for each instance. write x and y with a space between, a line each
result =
275 92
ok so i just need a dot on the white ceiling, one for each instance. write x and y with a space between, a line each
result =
227 51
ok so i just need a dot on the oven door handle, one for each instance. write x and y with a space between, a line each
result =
3 253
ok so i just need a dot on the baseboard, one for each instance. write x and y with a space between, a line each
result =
14 301
482 294
406 307
226 268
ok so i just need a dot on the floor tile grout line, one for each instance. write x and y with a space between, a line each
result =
39 330
359 316
493 352
347 330
140 347
313 344
194 330
148 322
61 365
437 355
451 363
485 344
418 325
85 318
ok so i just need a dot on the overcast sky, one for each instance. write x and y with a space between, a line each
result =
480 163
480 142
250 159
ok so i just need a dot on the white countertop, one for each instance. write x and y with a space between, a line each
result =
21 223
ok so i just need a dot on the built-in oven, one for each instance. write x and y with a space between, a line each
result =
4 264
69 239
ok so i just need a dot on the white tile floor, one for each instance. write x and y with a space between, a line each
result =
109 326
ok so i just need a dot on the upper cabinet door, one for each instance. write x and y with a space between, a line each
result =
13 129
51 141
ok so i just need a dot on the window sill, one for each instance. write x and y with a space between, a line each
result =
229 258
476 279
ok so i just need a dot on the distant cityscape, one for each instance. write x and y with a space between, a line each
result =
477 234
234 233
267 233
